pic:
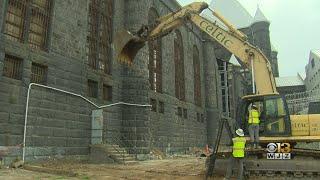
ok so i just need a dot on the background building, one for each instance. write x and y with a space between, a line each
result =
290 84
312 69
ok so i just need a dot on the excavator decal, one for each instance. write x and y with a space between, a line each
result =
216 33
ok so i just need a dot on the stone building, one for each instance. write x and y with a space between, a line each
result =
312 69
67 45
290 84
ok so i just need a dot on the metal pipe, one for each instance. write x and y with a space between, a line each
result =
67 92
252 74
124 103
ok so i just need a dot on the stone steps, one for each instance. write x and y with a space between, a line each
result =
115 152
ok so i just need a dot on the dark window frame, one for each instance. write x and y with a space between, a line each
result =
179 67
28 28
185 113
155 56
92 88
39 70
179 111
197 77
107 92
153 103
12 67
161 107
312 63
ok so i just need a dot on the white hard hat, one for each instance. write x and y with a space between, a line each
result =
239 132
253 106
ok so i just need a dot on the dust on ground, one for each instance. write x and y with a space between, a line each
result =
178 168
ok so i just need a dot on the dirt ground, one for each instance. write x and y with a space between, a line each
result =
178 168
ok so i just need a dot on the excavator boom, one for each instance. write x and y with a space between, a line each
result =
127 45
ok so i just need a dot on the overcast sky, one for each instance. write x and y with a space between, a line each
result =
294 29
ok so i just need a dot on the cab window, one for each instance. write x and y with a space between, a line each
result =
275 115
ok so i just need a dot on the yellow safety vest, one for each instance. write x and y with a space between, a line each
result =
239 144
253 117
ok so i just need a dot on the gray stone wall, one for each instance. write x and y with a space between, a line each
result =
60 124
275 68
312 80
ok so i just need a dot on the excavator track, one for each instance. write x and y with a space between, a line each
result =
282 168
303 165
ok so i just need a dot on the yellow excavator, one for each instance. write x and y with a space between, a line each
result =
278 125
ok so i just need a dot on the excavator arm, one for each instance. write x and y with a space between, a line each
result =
127 45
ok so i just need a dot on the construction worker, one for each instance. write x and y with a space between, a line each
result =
237 156
253 122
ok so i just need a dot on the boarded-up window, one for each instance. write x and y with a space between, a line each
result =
107 92
179 66
99 36
38 17
155 57
38 73
39 23
15 16
12 67
92 88
197 79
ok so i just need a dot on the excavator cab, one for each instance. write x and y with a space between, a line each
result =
274 114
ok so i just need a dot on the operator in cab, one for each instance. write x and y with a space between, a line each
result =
253 122
237 156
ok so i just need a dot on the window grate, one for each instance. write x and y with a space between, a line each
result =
100 34
39 18
197 79
12 67
38 73
155 57
92 88
15 16
179 67
39 23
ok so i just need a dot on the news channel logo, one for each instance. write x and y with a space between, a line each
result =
279 151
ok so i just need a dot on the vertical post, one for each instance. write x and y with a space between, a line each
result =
252 73
97 126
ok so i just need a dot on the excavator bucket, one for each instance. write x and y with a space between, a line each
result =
127 46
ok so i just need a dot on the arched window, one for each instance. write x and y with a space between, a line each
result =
179 66
155 57
99 34
197 78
